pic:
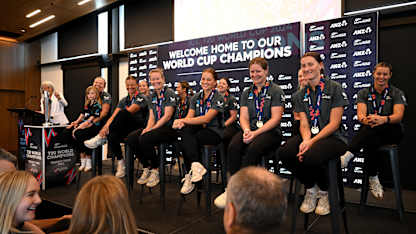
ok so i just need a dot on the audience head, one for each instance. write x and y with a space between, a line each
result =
19 197
302 82
92 94
99 83
256 202
157 78
102 206
47 86
131 85
143 87
7 161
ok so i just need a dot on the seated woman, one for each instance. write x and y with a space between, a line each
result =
84 127
144 88
57 103
320 106
129 115
261 109
19 197
203 125
380 110
162 104
302 82
102 206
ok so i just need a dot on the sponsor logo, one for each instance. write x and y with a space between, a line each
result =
344 117
360 20
357 127
338 65
338 55
192 83
358 160
315 28
235 89
344 85
287 134
133 68
358 42
355 106
288 105
362 31
286 86
336 76
338 35
152 59
133 55
339 24
363 74
287 124
142 74
315 48
345 127
360 85
319 37
288 96
355 96
358 170
234 81
287 115
142 60
133 62
143 53
151 66
270 78
284 77
134 74
144 67
358 181
362 52
247 80
345 96
360 63
152 52
338 45
355 117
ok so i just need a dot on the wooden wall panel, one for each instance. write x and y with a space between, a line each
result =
11 66
8 121
32 74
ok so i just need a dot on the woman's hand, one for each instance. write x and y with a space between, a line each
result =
85 124
376 120
145 130
248 136
303 147
104 131
57 95
178 124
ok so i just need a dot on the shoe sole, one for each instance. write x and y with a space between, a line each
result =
151 186
193 187
199 178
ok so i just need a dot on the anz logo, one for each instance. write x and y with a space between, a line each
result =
362 52
341 24
362 31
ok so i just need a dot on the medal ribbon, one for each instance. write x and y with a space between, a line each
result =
132 99
372 96
315 111
182 107
260 103
159 103
204 106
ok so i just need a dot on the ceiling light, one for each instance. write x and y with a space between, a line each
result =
35 12
83 2
42 21
23 30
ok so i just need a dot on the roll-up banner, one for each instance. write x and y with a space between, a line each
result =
348 47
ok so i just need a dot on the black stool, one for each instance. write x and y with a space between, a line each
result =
336 200
393 151
206 162
97 161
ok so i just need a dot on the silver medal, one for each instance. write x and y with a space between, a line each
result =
315 130
259 124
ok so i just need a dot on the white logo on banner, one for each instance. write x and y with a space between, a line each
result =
362 31
362 52
315 48
358 42
133 68
151 66
338 65
142 60
132 62
134 74
286 86
284 77
234 81
317 37
153 59
341 24
143 53
152 52
336 76
133 55
144 67
142 74
360 63
362 21
338 45
360 85
363 74
338 56
315 28
338 35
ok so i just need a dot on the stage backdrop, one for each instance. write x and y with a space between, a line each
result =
348 47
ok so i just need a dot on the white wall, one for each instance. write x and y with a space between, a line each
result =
123 72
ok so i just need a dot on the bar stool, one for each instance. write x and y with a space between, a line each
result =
336 200
393 151
207 157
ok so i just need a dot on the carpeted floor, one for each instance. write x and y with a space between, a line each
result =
193 219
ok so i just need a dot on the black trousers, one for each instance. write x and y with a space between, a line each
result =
241 154
81 135
120 127
371 139
313 169
229 133
192 138
143 146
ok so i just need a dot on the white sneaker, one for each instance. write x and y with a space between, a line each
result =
88 165
83 162
121 169
144 177
221 200
375 187
187 186
197 171
323 204
95 142
345 159
153 178
309 202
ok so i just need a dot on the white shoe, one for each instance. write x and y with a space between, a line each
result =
88 165
345 159
375 187
221 200
309 202
197 171
153 178
95 142
144 177
187 186
83 162
121 169
323 204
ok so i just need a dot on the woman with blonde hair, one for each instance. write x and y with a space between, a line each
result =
19 197
102 206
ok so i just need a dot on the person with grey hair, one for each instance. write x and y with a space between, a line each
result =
256 202
57 103
7 161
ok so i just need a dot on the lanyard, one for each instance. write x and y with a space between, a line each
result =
159 103
182 107
372 97
204 106
226 95
259 100
129 102
315 111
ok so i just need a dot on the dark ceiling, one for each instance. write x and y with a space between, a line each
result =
13 12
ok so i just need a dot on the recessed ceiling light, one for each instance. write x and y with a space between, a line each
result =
83 2
35 12
42 21
23 30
